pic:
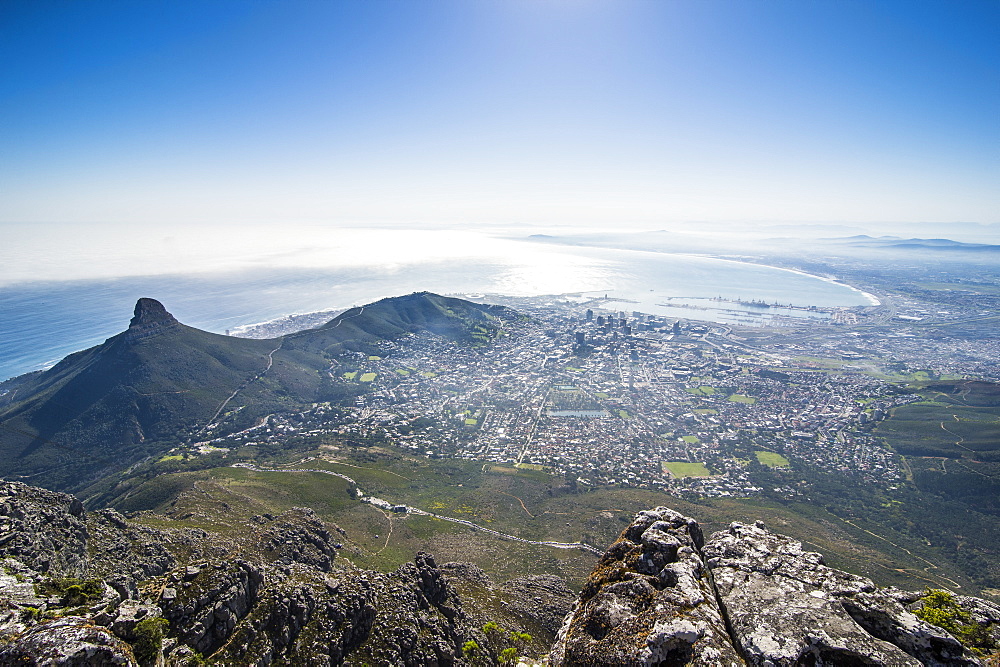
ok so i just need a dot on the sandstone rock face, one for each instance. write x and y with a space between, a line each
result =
149 319
786 607
649 601
416 603
69 642
275 593
128 615
307 617
298 536
127 553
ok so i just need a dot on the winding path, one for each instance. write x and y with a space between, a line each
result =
270 362
930 565
384 504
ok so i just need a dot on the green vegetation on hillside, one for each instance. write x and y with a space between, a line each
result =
161 384
526 502
941 609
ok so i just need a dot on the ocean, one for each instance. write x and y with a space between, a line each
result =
43 321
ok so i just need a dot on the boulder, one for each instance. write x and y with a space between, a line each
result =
71 641
785 607
649 601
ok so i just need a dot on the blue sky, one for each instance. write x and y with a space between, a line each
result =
636 114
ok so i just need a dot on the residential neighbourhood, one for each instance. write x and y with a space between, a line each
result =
609 396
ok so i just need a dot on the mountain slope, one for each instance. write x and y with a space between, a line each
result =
394 317
122 399
160 382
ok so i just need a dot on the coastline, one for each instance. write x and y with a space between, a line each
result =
872 299
45 322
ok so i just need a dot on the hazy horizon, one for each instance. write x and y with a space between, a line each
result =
55 252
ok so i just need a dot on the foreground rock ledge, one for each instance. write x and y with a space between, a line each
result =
264 590
661 595
271 590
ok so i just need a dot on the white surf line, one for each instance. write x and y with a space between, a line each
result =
378 502
871 298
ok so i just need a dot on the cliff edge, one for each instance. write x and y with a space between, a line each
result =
662 594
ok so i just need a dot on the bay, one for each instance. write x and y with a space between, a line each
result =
44 321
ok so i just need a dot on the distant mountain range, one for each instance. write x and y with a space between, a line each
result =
159 383
673 242
896 243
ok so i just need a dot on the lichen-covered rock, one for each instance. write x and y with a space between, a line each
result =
304 616
420 619
649 601
274 593
71 641
45 530
785 607
128 615
983 612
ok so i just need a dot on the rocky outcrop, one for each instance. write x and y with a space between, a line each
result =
786 607
660 595
71 641
649 601
983 612
416 603
297 536
274 593
78 589
127 553
149 318
44 530
305 616
204 604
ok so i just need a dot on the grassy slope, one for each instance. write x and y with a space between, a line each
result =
493 497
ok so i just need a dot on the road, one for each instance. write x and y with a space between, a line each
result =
384 505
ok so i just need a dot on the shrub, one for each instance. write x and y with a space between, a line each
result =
148 640
73 591
941 609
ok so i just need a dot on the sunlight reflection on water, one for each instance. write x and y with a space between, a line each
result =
69 305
